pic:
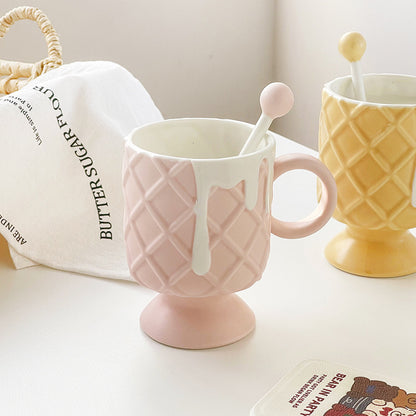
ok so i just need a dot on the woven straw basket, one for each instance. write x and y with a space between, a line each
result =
14 75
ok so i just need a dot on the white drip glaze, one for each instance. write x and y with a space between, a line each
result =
225 174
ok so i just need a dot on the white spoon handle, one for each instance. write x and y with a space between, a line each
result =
257 134
358 81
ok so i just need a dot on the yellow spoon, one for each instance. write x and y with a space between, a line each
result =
352 46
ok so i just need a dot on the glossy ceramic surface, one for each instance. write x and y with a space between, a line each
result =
370 148
199 310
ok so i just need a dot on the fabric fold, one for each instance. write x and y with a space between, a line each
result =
62 139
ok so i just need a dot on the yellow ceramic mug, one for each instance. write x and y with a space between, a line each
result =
370 148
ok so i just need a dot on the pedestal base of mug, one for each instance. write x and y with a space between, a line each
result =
197 323
373 253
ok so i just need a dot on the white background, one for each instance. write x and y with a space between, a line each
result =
211 58
195 57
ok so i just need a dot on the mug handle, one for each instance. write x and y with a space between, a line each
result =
322 213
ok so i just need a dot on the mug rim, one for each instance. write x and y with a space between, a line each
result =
328 87
270 143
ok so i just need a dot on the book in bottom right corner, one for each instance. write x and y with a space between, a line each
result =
320 388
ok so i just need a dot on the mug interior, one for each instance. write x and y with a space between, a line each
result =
382 89
193 138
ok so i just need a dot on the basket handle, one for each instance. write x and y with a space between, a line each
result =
12 72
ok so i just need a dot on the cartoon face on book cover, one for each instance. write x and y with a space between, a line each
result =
374 398
320 388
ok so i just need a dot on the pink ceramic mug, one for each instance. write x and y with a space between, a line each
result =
197 224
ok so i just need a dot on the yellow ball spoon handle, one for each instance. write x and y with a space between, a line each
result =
352 46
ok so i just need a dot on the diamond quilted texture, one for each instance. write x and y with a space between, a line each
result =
159 227
147 277
228 255
351 196
259 250
347 142
407 124
229 200
393 147
370 122
246 273
334 113
360 172
184 230
167 204
168 258
363 215
149 227
405 177
152 172
243 229
201 285
184 184
371 151
389 196
133 241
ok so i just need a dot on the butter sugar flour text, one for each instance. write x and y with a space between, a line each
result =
87 163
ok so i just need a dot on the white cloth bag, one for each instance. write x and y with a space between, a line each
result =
62 140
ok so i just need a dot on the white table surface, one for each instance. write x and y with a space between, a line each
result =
71 344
